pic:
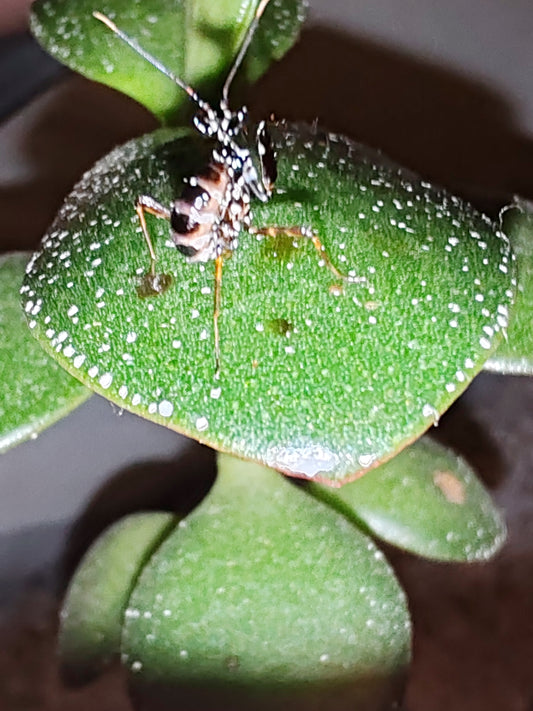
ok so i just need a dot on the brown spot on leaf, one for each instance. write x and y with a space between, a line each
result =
153 285
372 305
279 326
452 488
232 662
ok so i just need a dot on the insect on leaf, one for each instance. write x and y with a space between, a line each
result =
319 378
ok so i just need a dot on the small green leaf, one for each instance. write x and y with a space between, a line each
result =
195 39
93 611
515 354
319 378
264 587
426 500
35 392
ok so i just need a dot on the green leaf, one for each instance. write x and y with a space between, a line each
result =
35 391
319 378
93 611
195 39
426 500
263 587
515 354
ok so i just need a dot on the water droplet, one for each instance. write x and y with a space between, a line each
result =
365 460
105 380
166 408
202 423
78 361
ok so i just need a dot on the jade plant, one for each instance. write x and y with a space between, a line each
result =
333 364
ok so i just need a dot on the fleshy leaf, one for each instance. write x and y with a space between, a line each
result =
93 611
194 39
320 378
515 353
35 392
264 587
426 500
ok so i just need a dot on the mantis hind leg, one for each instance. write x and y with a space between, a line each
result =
152 283
306 233
216 311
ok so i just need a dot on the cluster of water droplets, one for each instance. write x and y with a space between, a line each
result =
411 211
369 215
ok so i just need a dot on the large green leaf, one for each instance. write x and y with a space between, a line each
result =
34 391
264 587
93 611
194 39
426 500
320 378
515 354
